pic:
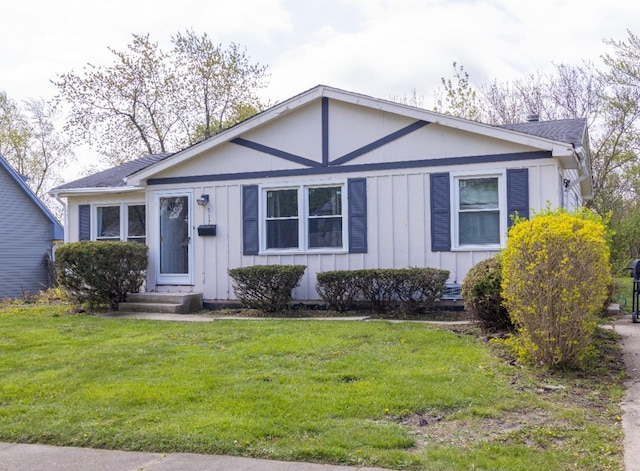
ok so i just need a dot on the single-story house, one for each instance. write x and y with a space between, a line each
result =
332 180
28 231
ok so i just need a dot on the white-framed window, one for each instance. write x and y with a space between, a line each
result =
479 210
122 221
304 218
108 222
136 223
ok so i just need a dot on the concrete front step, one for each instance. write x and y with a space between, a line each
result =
176 303
151 307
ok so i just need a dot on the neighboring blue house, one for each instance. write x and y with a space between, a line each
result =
27 234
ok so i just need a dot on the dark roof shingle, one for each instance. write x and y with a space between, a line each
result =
113 177
570 131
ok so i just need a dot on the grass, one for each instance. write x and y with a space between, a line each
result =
401 396
624 292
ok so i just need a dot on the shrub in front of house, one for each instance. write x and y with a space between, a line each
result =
268 288
377 288
482 295
339 289
101 272
556 274
416 289
408 290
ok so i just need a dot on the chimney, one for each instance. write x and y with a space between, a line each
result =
533 118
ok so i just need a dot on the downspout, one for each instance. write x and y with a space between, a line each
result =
582 161
64 216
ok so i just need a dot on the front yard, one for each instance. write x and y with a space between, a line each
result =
394 395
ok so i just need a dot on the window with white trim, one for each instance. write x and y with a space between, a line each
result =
136 226
479 211
126 222
108 223
304 218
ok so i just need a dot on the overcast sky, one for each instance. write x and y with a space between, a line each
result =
383 48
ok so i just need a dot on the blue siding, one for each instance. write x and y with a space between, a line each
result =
25 240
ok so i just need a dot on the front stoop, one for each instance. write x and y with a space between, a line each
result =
174 303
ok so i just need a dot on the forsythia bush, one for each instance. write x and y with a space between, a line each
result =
555 280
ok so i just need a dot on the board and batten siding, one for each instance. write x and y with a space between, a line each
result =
398 220
25 241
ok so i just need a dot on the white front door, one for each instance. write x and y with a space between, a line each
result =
174 258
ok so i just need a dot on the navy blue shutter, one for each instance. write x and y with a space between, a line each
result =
250 232
84 222
517 193
357 215
440 212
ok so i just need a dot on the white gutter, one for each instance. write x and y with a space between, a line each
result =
582 162
98 190
56 196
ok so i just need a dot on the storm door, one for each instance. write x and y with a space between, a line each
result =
175 255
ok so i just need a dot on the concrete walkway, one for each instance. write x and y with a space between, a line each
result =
630 345
15 457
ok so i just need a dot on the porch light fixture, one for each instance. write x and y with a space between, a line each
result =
203 200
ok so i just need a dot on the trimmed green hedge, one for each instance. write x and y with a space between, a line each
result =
101 272
410 290
339 289
266 287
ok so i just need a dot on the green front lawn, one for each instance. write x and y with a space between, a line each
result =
378 394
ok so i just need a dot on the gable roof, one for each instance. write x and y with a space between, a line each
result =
113 177
57 231
558 137
540 140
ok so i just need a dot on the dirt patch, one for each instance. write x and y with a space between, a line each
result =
522 426
568 399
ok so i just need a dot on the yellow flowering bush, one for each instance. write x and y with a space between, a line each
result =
555 279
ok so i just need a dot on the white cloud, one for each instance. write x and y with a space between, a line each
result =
41 38
397 46
382 48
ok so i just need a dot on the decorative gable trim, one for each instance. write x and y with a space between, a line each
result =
326 162
325 132
380 142
324 93
275 152
331 170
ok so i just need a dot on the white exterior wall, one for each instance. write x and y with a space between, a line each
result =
398 207
398 201
73 203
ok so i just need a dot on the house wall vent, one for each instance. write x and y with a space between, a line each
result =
452 291
533 118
